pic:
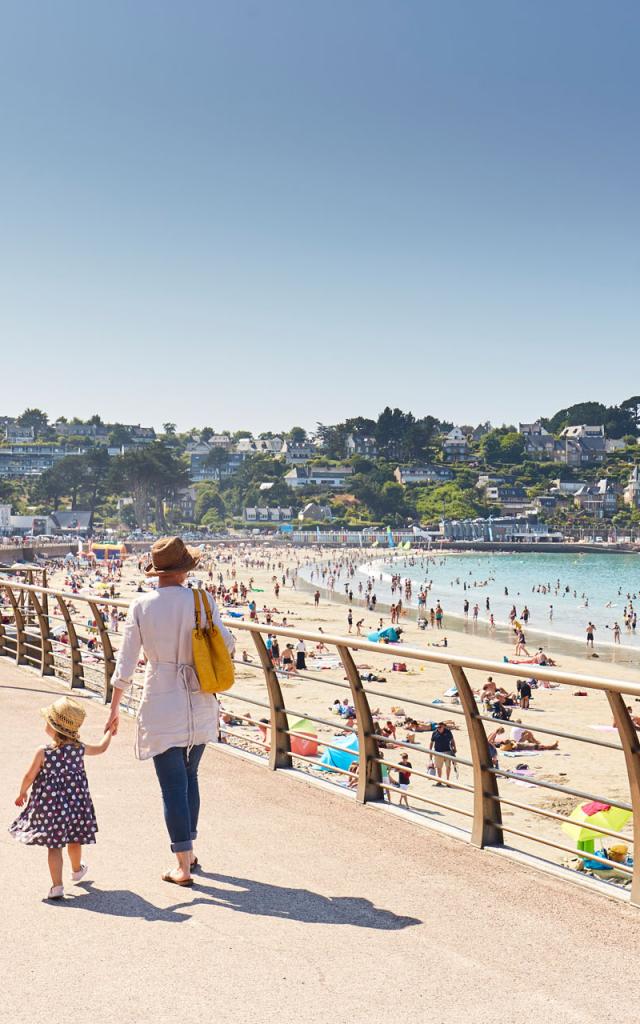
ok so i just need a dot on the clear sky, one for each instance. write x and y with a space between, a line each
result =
267 213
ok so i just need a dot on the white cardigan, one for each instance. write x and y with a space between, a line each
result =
174 712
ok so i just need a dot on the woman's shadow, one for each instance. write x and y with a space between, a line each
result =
245 896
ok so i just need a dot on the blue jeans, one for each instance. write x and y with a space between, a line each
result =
177 773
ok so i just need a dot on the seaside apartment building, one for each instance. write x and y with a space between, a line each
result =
22 461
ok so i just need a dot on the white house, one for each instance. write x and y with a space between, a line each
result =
358 444
298 453
455 446
582 430
333 478
429 474
631 492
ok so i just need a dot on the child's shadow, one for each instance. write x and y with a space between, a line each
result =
121 903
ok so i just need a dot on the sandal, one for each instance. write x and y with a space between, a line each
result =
77 876
184 882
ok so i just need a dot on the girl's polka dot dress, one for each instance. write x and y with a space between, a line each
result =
60 809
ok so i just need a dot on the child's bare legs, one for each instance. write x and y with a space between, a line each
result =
75 855
55 866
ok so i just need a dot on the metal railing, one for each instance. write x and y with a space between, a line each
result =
82 651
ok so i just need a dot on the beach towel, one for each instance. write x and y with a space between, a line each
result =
518 753
604 728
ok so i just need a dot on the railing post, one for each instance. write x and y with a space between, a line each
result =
486 808
631 747
107 650
280 747
45 597
370 771
77 670
46 654
18 618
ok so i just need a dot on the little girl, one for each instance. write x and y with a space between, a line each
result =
60 810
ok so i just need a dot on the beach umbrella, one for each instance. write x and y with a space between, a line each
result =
305 742
594 813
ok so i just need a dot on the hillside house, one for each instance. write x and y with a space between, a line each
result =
330 478
427 474
598 500
455 446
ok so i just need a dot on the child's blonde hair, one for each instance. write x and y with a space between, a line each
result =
60 740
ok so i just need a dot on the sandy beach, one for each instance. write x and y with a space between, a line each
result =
580 765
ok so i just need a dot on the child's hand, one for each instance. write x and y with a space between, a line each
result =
21 799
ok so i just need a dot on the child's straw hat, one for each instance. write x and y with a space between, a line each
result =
65 716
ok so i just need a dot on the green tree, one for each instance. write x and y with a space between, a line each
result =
218 461
119 435
448 500
64 479
502 447
632 406
96 471
209 497
150 475
35 418
297 435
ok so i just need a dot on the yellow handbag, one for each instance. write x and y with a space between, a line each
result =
211 659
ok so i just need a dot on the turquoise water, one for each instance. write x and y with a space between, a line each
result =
598 585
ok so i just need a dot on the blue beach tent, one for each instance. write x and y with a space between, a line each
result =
388 634
339 758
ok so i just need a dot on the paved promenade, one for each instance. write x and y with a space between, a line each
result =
308 909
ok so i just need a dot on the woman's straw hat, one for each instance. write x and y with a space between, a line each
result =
65 716
171 554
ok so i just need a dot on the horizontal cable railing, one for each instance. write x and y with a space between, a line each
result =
44 628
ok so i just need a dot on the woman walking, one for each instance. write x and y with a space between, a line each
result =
176 718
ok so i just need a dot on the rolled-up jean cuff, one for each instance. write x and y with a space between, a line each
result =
183 847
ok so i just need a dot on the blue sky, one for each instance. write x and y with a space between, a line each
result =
255 214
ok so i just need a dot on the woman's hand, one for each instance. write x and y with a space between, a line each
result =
113 722
21 799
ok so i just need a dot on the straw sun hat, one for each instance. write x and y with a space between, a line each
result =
65 716
171 554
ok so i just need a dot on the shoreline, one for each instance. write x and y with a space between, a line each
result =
560 643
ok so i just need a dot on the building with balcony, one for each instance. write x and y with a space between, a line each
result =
330 478
22 461
427 474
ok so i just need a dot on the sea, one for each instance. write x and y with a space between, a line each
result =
563 592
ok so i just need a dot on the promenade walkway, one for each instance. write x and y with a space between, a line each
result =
308 909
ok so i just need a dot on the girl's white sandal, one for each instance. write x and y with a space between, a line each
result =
56 892
77 876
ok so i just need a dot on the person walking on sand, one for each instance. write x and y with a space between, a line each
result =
590 631
176 719
60 810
